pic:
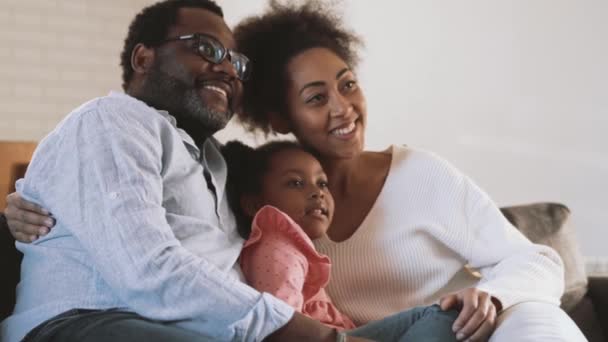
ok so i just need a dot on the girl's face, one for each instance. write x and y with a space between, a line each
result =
326 107
296 184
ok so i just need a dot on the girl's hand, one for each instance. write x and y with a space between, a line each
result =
477 318
26 220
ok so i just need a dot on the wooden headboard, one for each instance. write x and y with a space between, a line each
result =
14 158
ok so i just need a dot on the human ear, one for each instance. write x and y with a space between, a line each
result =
279 123
142 58
250 205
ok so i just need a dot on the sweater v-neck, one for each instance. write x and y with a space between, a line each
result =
325 240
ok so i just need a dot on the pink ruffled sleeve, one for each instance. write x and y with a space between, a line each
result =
269 263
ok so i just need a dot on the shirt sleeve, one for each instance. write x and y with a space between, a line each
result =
107 189
275 268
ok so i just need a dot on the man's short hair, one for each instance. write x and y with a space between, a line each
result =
151 25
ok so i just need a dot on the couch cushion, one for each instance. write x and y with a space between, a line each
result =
549 224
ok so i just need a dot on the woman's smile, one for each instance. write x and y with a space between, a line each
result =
346 131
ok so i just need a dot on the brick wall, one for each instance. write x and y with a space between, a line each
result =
55 54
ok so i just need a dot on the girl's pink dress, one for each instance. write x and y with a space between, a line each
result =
280 259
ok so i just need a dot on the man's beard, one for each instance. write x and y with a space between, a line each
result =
175 91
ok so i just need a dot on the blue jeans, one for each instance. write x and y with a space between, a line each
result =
421 324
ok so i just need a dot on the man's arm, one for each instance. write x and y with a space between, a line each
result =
105 186
303 328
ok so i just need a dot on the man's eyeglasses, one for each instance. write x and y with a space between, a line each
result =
213 51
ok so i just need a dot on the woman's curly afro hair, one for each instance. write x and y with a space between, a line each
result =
272 39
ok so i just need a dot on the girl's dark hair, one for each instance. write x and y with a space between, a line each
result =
246 167
272 39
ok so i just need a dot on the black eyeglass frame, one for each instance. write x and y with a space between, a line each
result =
243 74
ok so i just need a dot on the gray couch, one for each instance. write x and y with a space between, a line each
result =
585 299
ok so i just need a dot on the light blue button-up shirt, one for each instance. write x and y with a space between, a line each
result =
137 228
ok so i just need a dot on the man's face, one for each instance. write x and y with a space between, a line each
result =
191 88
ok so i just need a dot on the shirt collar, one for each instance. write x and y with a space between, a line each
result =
211 156
188 141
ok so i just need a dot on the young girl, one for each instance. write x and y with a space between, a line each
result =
279 193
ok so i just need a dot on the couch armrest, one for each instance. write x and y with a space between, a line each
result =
598 292
549 224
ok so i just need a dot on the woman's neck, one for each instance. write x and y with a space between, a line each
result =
342 173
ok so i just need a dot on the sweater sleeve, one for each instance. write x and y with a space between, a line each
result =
466 221
513 269
275 268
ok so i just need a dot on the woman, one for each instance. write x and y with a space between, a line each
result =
406 224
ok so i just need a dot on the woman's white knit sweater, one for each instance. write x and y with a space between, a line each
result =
428 222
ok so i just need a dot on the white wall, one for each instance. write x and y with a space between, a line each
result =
515 93
54 55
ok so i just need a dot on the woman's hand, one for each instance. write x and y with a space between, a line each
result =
26 220
477 318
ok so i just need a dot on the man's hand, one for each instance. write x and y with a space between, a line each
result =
26 220
302 328
477 318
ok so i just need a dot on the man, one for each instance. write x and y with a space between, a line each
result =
145 246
